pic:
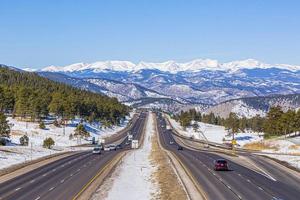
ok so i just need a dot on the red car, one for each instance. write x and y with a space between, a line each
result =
221 164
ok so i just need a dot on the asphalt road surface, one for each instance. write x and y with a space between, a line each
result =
64 178
237 183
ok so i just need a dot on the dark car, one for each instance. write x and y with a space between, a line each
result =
119 146
221 164
179 147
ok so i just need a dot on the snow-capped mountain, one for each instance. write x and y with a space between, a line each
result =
201 81
169 66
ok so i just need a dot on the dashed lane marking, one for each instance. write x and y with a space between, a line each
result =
17 189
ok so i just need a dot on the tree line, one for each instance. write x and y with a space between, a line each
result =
27 95
275 123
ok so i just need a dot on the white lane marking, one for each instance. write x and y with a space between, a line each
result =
32 181
62 181
62 165
53 170
248 180
37 198
51 188
45 174
71 174
17 189
78 170
260 188
264 172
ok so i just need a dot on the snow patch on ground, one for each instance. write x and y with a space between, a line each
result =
215 133
15 154
134 180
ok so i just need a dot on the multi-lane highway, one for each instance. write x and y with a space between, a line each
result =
64 178
239 182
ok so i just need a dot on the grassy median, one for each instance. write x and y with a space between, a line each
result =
164 175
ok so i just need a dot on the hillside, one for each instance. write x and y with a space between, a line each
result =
252 106
26 94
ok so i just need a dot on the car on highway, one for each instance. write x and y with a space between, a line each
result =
179 147
220 164
113 147
97 150
119 146
106 148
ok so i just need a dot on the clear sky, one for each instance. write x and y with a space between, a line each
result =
60 32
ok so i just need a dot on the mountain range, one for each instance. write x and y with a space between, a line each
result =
199 83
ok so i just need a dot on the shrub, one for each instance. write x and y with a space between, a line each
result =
24 140
55 123
48 143
42 125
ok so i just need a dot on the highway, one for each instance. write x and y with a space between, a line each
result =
239 182
64 179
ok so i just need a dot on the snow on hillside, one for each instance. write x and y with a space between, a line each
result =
170 66
214 133
14 153
240 108
243 110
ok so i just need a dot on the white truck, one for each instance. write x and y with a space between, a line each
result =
135 144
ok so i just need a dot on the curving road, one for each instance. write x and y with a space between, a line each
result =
64 178
239 182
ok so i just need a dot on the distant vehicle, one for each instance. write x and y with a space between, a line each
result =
135 144
119 146
179 147
221 164
113 147
130 137
106 148
97 150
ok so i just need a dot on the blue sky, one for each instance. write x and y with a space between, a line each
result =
60 32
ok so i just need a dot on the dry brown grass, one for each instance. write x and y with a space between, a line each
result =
260 146
170 186
294 147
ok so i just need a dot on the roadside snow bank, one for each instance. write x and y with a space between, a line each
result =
11 155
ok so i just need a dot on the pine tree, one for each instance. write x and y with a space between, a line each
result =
81 131
232 123
272 124
4 127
